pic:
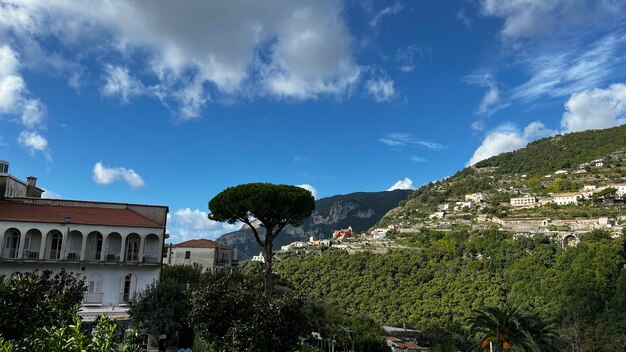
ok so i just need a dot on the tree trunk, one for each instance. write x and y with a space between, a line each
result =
268 254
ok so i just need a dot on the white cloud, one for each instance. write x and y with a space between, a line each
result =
310 189
119 82
2 142
192 50
570 67
418 159
106 175
15 99
507 138
186 224
491 101
407 183
381 89
34 142
406 139
528 18
596 108
50 194
387 11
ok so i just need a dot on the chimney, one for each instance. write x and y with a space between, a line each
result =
32 181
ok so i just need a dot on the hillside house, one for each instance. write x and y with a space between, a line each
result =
475 197
560 172
258 258
210 255
292 246
343 233
567 198
524 201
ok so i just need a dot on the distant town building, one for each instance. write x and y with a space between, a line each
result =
560 172
567 198
343 233
211 255
524 201
437 215
292 246
475 197
258 258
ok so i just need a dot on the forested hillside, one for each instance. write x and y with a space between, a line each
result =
442 276
559 152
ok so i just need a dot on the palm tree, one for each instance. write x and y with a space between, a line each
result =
502 327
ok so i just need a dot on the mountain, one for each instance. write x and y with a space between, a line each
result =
360 210
562 163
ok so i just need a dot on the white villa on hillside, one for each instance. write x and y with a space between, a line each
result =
116 246
524 201
567 198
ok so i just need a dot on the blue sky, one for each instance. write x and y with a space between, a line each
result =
171 102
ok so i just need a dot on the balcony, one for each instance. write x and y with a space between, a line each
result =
150 259
92 298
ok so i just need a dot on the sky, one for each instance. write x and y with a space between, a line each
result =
170 103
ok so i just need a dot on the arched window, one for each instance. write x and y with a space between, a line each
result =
132 247
11 243
56 240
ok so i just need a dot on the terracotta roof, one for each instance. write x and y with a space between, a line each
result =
25 212
201 243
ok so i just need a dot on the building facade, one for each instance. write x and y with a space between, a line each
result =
116 247
211 255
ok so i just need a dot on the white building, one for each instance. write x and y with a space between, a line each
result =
567 198
524 201
211 255
475 197
560 172
117 247
258 258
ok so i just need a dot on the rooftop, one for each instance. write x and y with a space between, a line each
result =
93 215
200 243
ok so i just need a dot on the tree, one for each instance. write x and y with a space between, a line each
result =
29 301
274 206
505 326
163 307
230 314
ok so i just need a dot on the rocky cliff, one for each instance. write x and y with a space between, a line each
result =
360 210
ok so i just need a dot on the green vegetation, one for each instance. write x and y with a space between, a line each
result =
445 276
274 206
567 151
32 301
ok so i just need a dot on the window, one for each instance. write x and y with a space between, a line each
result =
132 251
12 243
187 254
55 245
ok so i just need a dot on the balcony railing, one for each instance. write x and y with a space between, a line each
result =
31 255
132 257
112 258
92 298
73 256
150 259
